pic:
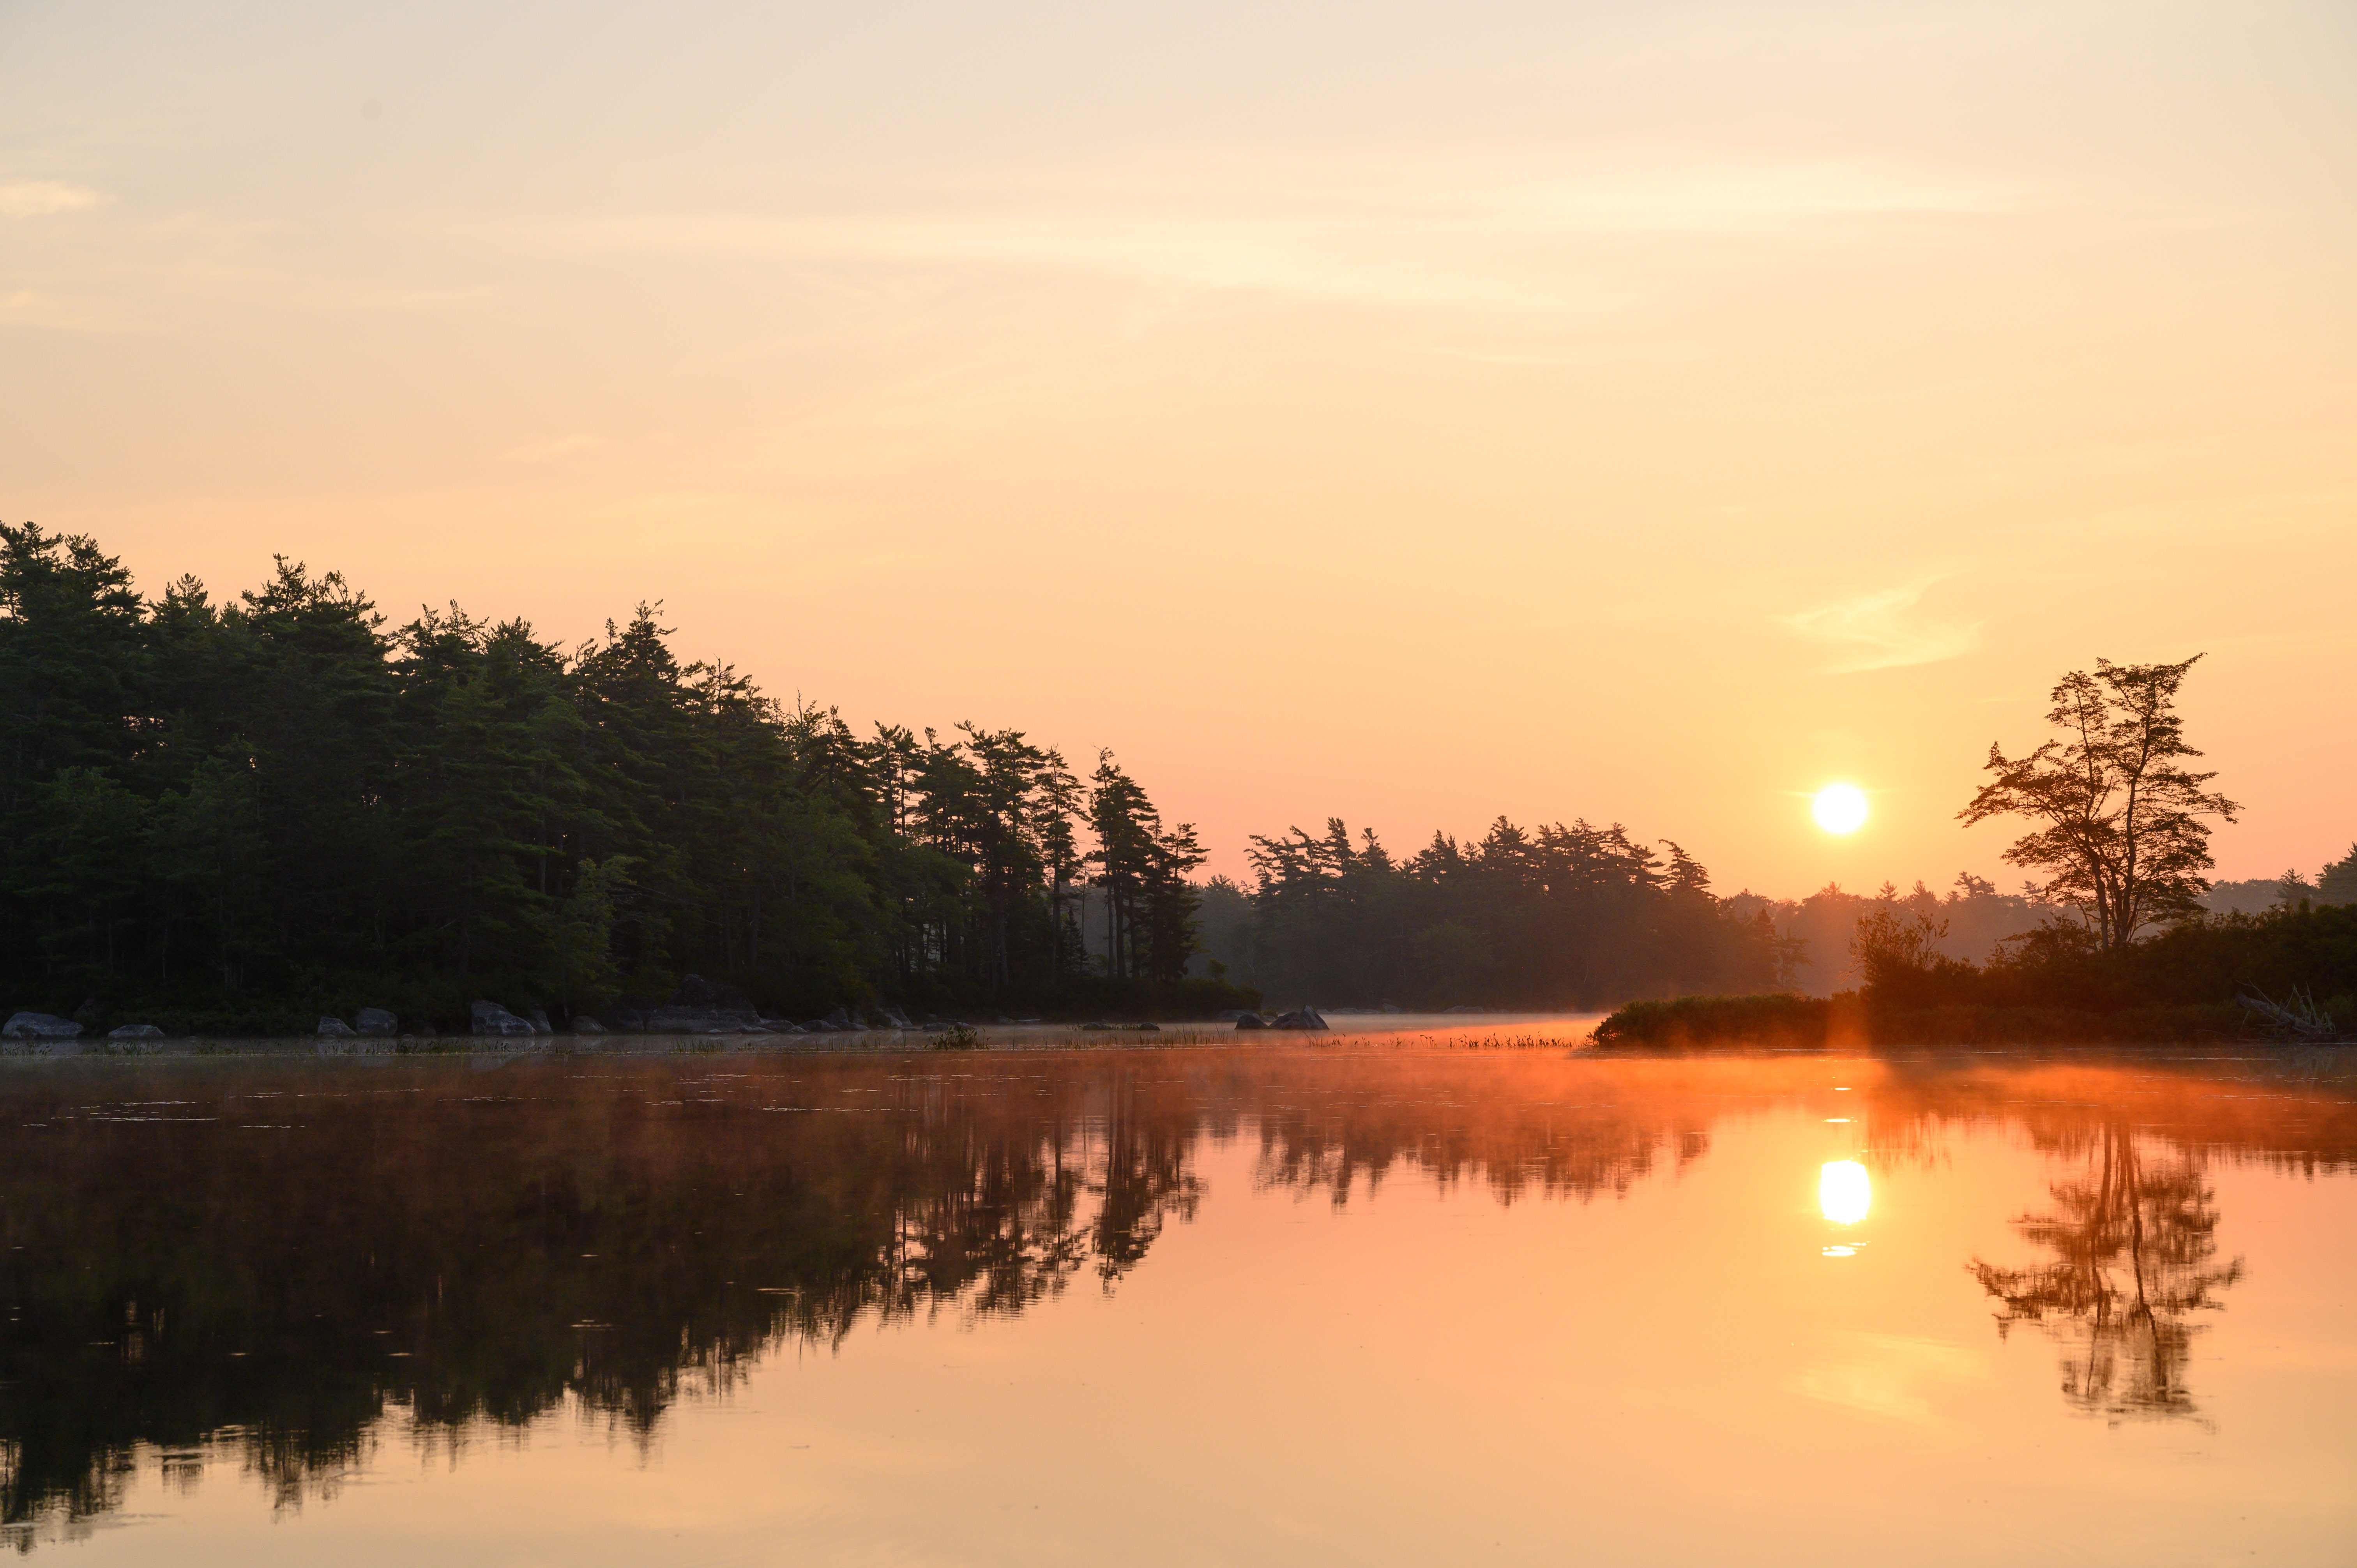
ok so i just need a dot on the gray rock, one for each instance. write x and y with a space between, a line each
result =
40 1027
540 1021
136 1032
375 1021
490 1018
669 1020
1251 1021
698 1006
333 1026
817 1026
585 1025
1299 1018
894 1017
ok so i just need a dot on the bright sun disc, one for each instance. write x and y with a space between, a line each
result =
1840 808
1844 1192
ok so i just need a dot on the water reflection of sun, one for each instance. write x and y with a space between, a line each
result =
1844 1192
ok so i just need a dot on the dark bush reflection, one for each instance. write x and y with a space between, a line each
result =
287 1260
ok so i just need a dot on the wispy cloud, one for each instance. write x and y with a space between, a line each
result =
1477 229
1880 631
31 308
42 198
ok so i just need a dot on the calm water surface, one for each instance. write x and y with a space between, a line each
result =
1369 1302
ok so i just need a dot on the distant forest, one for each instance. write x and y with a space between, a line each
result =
1549 916
1579 916
241 814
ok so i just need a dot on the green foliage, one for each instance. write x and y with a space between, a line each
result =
250 813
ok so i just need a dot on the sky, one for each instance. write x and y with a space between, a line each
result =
1411 413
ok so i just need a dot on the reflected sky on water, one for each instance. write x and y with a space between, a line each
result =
1364 1301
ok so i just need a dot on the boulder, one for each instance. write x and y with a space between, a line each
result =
842 1022
1251 1021
1299 1018
375 1021
700 1007
895 1018
490 1018
136 1032
40 1027
669 1020
585 1025
817 1026
333 1026
539 1016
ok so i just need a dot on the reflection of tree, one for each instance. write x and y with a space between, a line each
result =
243 1276
302 1261
2133 1242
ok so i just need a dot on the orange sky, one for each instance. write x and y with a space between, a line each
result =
1643 411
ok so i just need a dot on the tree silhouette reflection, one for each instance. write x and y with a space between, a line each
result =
284 1264
2134 1245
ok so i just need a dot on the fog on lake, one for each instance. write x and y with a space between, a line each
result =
1385 1297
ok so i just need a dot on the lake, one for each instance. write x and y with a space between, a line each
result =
1392 1298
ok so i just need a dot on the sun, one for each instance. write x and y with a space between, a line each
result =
1840 808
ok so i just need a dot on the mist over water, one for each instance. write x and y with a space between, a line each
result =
1176 1304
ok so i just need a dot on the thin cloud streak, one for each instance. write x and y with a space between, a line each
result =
1879 633
1477 231
44 198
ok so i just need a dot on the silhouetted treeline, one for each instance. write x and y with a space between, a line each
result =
241 814
1551 917
1971 919
2025 950
2336 884
2195 965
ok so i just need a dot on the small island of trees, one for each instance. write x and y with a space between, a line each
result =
2118 846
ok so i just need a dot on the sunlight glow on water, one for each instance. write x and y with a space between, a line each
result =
1844 1192
835 1308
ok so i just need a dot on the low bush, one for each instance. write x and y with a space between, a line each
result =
1777 1019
